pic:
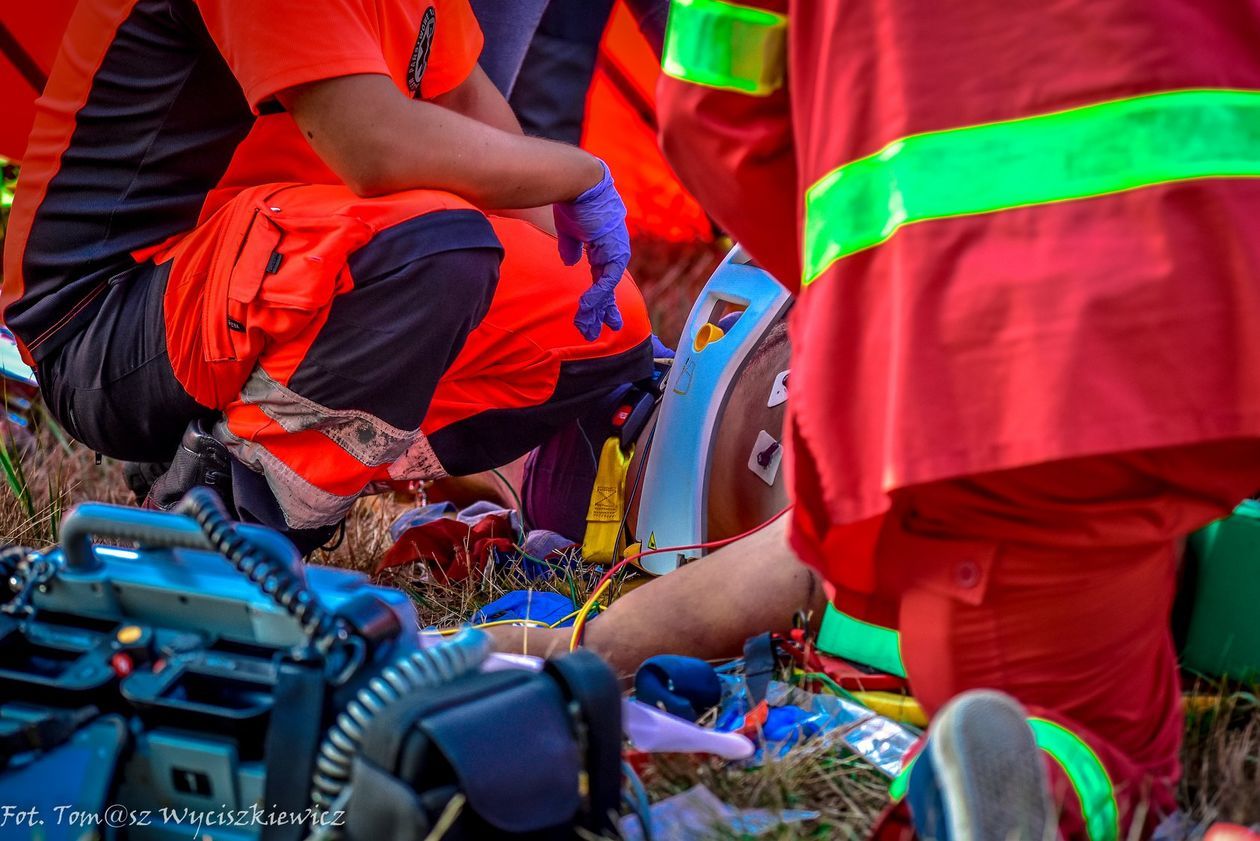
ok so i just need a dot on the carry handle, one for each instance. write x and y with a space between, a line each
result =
155 529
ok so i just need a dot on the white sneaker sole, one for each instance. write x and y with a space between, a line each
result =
991 772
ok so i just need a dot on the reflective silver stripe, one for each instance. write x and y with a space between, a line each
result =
368 438
418 463
304 506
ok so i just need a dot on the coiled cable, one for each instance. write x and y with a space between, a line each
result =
275 580
22 570
422 669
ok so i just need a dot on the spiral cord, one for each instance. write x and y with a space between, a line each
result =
422 669
419 669
22 570
273 579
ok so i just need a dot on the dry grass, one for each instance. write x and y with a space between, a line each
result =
55 473
848 794
1222 779
1222 762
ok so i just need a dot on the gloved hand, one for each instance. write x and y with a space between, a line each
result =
596 219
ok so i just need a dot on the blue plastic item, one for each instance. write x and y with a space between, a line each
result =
789 725
674 506
538 605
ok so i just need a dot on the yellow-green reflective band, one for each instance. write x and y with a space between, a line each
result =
725 45
1088 777
871 645
900 783
1106 148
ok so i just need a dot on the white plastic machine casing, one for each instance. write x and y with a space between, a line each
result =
674 505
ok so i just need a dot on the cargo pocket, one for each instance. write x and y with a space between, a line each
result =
303 271
234 282
274 275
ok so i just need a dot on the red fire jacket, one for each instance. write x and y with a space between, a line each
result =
1021 232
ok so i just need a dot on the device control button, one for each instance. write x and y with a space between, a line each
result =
122 664
129 634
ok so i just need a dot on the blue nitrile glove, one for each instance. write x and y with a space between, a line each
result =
596 219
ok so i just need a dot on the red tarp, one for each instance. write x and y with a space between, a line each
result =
621 129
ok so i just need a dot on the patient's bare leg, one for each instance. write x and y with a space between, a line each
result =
706 609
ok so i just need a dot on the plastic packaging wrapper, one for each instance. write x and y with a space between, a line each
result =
452 548
697 815
882 742
790 716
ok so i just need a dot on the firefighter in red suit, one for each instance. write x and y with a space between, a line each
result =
1026 241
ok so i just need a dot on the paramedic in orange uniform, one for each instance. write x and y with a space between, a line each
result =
271 217
1026 240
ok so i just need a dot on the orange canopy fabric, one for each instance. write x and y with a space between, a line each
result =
29 36
621 128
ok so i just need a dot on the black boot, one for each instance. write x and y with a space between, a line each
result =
255 503
140 476
203 460
200 460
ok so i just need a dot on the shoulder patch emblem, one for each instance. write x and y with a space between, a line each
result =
420 56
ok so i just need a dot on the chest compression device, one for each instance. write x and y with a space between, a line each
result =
675 500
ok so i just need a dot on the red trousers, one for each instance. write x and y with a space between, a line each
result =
1054 583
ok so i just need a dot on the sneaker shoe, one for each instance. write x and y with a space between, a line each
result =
981 776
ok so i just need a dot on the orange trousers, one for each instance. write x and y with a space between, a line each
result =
337 341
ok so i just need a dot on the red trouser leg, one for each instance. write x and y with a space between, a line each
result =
525 370
508 379
1054 584
1085 645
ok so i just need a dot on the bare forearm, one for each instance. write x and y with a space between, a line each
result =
708 608
443 150
479 99
380 142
